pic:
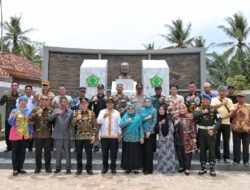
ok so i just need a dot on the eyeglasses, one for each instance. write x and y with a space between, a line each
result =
43 99
45 85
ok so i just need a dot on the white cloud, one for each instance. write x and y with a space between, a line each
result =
119 24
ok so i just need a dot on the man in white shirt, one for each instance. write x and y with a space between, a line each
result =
174 99
110 134
62 92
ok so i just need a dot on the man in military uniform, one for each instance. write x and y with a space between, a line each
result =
98 102
138 98
10 100
158 99
120 99
45 91
84 130
42 134
207 119
192 99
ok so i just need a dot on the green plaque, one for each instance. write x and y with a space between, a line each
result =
156 81
93 80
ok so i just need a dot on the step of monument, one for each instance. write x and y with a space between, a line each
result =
97 165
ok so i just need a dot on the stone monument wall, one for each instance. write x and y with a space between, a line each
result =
62 65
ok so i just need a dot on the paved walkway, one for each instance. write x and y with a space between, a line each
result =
223 181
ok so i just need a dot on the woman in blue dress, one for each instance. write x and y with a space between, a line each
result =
149 117
166 151
132 136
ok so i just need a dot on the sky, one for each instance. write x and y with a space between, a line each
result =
120 24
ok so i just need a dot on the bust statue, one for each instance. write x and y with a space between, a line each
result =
124 71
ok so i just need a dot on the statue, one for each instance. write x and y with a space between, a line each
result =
124 71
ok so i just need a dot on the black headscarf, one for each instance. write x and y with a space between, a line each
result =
165 127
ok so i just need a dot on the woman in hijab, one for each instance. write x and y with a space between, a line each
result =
185 138
20 132
166 152
149 117
132 136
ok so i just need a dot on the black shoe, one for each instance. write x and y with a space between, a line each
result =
113 171
90 172
96 149
203 169
127 171
57 171
37 171
136 172
68 171
22 171
15 173
7 150
30 149
48 170
145 173
104 171
187 172
78 172
181 170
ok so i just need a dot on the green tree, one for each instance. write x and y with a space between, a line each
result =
178 34
15 37
237 29
30 52
200 42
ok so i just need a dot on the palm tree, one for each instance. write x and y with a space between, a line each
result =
178 34
200 42
15 37
31 53
238 30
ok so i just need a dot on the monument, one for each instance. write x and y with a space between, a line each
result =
155 73
124 78
92 73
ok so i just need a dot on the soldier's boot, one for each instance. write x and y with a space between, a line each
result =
203 169
211 168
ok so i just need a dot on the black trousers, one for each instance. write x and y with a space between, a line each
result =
80 144
225 131
7 134
237 138
147 154
184 158
40 145
206 142
18 153
30 144
109 146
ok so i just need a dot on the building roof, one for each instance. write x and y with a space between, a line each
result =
18 66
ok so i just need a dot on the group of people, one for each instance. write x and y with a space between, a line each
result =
174 125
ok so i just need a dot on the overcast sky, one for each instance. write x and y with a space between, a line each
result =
120 24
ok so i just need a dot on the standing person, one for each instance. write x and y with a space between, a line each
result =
132 137
208 123
84 129
185 139
110 134
56 101
20 131
10 100
76 101
158 99
99 103
138 98
174 99
30 106
241 129
45 91
166 152
148 117
62 118
225 108
207 87
192 99
42 134
231 94
120 99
